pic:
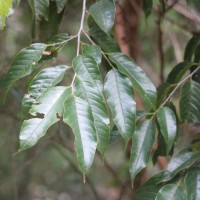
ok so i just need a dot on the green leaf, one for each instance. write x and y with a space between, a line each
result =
143 140
190 102
171 191
178 72
54 45
90 93
61 5
180 162
45 79
93 51
49 28
103 12
89 87
50 104
167 121
147 6
87 69
40 8
192 184
191 46
121 100
78 115
137 76
24 63
105 41
149 190
5 6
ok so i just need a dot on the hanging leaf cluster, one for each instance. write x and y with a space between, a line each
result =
96 105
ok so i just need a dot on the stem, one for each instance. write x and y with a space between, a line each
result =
78 35
178 85
81 27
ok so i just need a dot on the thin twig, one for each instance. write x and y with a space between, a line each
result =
81 27
178 85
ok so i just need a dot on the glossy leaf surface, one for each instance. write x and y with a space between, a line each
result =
103 12
50 105
121 100
78 115
24 63
171 191
89 87
143 140
137 76
45 79
190 102
192 184
105 41
93 51
167 121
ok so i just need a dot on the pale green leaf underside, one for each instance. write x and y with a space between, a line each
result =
167 122
50 104
138 78
121 100
78 115
192 184
24 63
143 140
171 191
103 12
5 6
190 102
45 79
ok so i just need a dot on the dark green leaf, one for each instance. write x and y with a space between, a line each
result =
178 72
121 100
78 115
147 6
50 104
48 29
192 184
45 79
93 51
103 12
191 46
61 5
24 63
143 140
182 161
167 121
171 191
39 8
90 88
149 190
137 76
190 102
105 41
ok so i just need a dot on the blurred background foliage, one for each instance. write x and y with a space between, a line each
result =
49 171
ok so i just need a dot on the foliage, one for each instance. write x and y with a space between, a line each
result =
96 103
